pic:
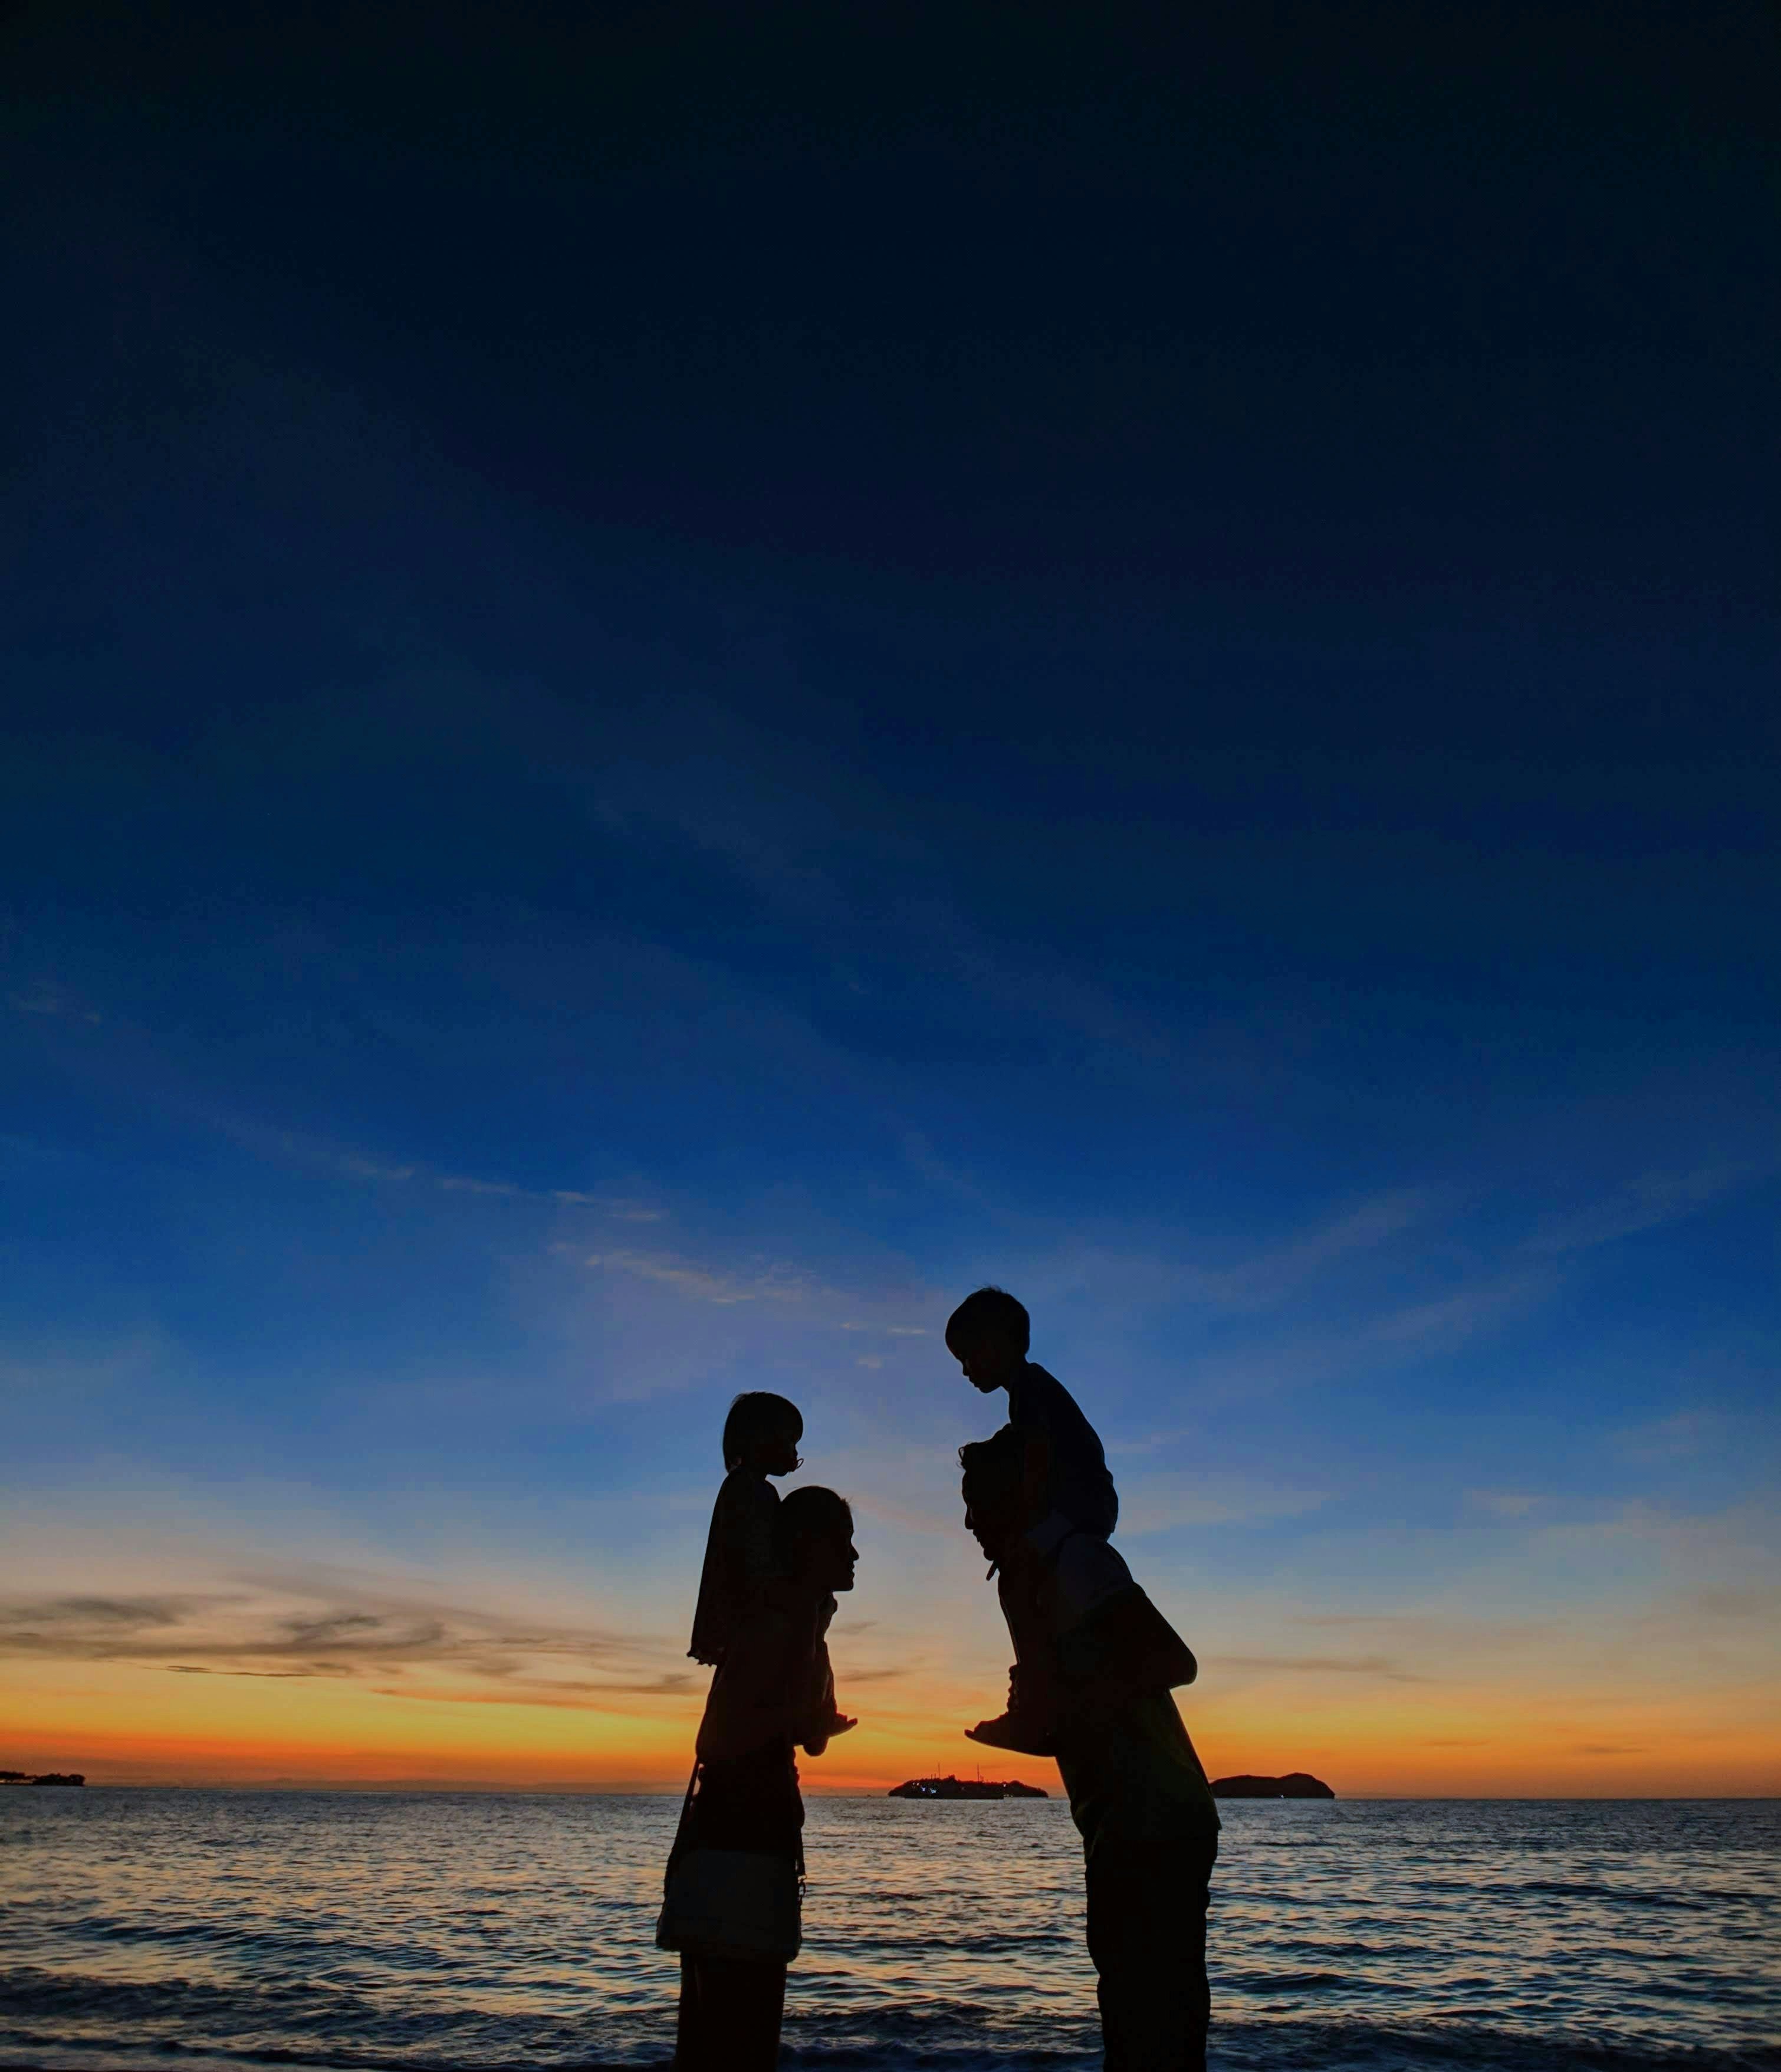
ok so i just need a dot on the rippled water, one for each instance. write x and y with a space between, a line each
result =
438 1930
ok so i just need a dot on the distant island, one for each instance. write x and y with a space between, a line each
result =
964 1787
49 1777
1295 1784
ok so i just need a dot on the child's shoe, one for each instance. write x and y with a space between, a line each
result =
1025 1729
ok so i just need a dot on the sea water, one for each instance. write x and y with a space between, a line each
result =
440 1930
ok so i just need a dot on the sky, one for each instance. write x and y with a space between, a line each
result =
680 682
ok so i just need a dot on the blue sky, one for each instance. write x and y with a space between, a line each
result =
602 812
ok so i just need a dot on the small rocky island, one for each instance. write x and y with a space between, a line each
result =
49 1777
1295 1784
964 1787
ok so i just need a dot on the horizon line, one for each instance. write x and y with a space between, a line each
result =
426 1789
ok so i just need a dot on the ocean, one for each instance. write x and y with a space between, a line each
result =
142 1928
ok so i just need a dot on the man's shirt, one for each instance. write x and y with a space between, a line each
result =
1081 1486
1134 1780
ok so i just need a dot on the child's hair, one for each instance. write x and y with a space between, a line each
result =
995 1470
808 1514
990 1312
755 1415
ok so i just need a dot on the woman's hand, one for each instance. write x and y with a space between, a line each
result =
820 1740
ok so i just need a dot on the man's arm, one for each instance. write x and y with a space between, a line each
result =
1123 1650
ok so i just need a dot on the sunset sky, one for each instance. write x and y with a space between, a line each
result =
672 694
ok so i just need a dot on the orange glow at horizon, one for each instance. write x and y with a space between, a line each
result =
247 1731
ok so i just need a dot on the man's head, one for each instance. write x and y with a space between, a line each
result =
988 1334
761 1431
813 1539
994 1489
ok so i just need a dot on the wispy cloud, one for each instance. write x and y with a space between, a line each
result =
770 1282
653 1318
1272 1275
1502 1503
53 1375
140 1057
1325 1351
621 1208
1685 1435
1645 1203
48 997
1162 1503
1382 1666
1448 1320
429 1650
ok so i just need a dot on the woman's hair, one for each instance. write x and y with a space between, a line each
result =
990 1312
995 1470
808 1514
758 1414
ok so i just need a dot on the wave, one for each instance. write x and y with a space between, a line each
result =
66 2023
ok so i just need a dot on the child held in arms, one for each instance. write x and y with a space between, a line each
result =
1066 1487
1109 1661
760 1438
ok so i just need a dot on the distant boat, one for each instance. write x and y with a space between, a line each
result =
1296 1784
964 1787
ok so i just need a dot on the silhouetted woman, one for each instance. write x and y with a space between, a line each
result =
735 1874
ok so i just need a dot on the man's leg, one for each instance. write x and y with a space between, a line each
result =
1147 1941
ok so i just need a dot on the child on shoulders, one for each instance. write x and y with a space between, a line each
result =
1067 1487
760 1439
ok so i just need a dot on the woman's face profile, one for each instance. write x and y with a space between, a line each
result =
833 1560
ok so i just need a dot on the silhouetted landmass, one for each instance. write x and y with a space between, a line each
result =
1295 1784
964 1787
49 1777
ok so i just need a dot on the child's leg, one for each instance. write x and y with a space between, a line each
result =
1028 1631
1026 1727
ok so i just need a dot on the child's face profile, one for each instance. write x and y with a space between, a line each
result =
777 1454
988 1361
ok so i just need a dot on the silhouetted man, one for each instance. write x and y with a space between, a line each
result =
1137 1793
